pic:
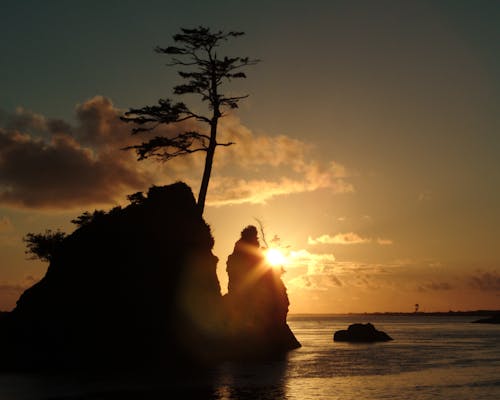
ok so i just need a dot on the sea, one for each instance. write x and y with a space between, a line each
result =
431 357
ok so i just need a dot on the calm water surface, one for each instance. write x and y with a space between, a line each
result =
430 358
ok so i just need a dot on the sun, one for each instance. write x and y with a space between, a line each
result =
275 257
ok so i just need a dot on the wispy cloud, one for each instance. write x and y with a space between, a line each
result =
487 281
314 282
226 190
339 238
345 239
322 272
262 157
435 286
23 120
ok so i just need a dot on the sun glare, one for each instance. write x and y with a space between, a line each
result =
275 257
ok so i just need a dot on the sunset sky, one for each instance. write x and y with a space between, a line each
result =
370 143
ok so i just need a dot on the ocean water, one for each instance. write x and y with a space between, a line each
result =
431 357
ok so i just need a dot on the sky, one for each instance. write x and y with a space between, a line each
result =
369 143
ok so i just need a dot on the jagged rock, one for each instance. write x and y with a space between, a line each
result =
361 333
256 303
133 287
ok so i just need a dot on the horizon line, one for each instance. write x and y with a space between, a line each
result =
480 311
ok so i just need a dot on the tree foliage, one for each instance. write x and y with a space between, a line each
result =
203 72
43 246
87 217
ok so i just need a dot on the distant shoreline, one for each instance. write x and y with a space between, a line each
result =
409 314
396 313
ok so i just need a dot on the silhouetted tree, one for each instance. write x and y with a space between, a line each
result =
136 198
86 217
204 72
43 245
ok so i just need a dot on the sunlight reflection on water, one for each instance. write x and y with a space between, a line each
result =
429 359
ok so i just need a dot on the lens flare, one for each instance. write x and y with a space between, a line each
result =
275 257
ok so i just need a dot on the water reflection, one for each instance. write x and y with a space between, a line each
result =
229 381
251 381
449 358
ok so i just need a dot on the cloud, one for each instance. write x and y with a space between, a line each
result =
58 169
227 190
51 163
314 282
322 272
340 238
322 276
23 120
60 173
434 286
252 150
485 281
346 238
305 258
280 157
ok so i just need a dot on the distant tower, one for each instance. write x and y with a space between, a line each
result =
416 308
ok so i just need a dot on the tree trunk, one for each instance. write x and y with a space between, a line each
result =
208 165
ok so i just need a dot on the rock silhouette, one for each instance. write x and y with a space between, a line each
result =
256 303
495 319
361 333
131 288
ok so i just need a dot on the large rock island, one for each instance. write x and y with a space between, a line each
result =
137 286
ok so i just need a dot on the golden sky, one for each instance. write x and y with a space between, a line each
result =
369 144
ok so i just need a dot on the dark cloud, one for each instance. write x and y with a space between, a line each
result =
23 120
486 281
434 286
67 166
99 124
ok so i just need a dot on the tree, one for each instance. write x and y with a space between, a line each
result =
43 246
204 73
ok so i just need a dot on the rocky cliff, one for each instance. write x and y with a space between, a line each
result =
133 287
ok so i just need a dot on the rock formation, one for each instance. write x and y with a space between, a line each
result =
361 333
495 319
256 303
134 288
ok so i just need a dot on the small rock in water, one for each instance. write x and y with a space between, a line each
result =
491 320
361 333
